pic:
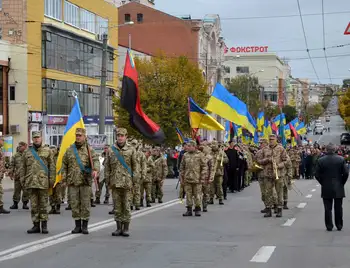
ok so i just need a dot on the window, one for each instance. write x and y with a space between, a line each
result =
87 21
71 14
242 70
53 9
127 18
12 93
139 18
227 69
102 25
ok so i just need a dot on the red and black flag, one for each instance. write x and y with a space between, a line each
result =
130 101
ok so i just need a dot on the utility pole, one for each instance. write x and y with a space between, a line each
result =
102 118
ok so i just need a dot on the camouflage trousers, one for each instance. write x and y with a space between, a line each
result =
80 201
38 201
296 171
1 194
262 185
206 187
247 177
18 189
181 191
271 186
157 190
122 210
216 187
100 187
55 198
64 192
134 196
193 194
285 193
145 191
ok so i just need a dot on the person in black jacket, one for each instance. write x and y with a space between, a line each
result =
332 173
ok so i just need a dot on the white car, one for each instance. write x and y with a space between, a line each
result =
318 130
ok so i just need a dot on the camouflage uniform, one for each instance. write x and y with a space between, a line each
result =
77 174
121 180
219 158
249 159
294 155
14 170
193 170
279 155
38 179
160 173
261 179
287 181
55 198
102 181
135 195
146 180
2 171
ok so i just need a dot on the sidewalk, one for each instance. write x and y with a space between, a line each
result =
7 184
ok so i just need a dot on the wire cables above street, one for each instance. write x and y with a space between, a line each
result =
324 43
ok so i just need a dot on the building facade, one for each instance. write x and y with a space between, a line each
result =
118 3
61 52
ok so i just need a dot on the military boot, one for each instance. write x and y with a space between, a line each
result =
141 203
264 210
197 212
137 208
285 205
92 203
205 209
106 202
111 212
69 207
53 210
153 200
58 209
131 207
125 229
275 209
149 204
35 229
160 201
211 201
119 231
25 205
220 202
84 227
44 227
188 212
3 211
77 228
97 201
268 213
279 213
15 205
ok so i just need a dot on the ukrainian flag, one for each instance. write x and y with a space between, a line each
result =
260 121
278 118
301 129
237 130
267 129
75 120
230 107
295 122
201 119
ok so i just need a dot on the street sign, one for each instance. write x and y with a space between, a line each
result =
347 31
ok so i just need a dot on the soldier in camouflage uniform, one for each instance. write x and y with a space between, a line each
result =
14 170
294 155
80 165
2 171
135 195
38 173
103 181
160 173
219 159
123 173
146 182
274 159
249 159
55 198
261 174
193 171
206 185
287 181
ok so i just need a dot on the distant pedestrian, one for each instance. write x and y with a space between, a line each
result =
332 174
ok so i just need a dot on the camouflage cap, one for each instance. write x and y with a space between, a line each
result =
156 148
22 143
134 142
122 131
146 148
36 134
272 136
262 140
214 144
53 147
80 131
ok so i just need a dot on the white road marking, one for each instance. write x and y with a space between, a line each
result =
318 185
27 248
263 254
309 196
289 222
301 205
313 190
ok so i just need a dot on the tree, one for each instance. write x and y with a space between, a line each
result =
246 87
344 108
165 84
290 112
327 97
315 110
272 111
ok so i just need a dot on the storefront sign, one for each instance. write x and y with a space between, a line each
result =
97 141
94 119
57 120
252 49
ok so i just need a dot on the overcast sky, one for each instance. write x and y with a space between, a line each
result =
280 33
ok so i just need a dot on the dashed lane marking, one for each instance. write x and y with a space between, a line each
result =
289 222
309 196
301 205
313 190
263 254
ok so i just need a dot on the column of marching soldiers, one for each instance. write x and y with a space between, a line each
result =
133 172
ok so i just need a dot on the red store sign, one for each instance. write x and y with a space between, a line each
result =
251 49
57 120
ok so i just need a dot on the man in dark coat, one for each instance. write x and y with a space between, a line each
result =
332 173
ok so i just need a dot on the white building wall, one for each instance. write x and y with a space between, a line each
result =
118 3
122 51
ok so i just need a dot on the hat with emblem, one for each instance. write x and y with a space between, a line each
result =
122 131
36 134
134 142
80 131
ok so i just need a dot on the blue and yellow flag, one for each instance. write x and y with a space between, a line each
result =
260 121
295 122
75 120
277 120
201 119
180 135
267 129
230 107
301 129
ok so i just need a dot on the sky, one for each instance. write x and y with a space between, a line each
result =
284 33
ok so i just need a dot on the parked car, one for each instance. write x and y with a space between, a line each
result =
328 118
318 130
345 139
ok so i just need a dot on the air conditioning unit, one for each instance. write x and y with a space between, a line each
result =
14 129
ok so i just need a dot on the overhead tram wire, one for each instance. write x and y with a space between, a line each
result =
307 47
324 43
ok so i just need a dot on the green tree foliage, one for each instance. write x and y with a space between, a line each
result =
346 83
165 84
243 85
327 97
344 107
272 111
315 111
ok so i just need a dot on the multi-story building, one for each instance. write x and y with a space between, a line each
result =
56 49
297 89
118 3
